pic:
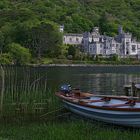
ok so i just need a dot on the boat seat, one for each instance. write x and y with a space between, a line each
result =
105 99
129 103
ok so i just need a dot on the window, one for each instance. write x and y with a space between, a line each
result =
90 49
70 39
127 43
77 39
127 52
133 48
101 51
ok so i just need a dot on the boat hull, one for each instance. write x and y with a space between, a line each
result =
126 118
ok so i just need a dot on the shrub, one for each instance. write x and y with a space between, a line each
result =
5 58
19 54
114 57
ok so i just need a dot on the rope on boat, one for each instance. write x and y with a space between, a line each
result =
67 113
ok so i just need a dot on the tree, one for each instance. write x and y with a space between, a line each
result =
108 25
19 54
46 40
7 33
72 51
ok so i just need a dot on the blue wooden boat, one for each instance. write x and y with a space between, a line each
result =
120 110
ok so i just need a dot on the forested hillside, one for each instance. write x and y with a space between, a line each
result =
33 24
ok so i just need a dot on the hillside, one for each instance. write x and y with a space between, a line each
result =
19 17
76 15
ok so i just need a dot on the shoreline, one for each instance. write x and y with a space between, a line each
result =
83 65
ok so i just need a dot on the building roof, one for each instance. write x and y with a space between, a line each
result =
72 34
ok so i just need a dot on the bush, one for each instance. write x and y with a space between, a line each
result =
19 54
114 57
62 61
5 58
61 57
72 51
70 57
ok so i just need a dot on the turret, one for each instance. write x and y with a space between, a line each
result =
95 30
120 29
61 28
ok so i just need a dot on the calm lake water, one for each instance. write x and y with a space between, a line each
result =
96 79
26 88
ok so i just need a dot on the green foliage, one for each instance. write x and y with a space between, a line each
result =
5 58
114 57
76 15
34 23
1 41
97 58
45 40
19 54
72 50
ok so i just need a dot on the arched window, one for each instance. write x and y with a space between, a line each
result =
133 48
70 39
77 39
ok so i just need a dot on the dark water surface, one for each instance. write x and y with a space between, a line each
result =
31 89
96 79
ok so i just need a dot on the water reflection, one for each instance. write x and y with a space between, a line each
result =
98 79
107 81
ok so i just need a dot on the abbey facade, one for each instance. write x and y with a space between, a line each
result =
96 44
123 44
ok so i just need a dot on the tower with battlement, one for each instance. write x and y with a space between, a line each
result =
61 28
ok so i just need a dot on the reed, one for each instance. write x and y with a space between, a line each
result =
26 92
2 88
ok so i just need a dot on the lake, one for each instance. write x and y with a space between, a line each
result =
96 79
33 87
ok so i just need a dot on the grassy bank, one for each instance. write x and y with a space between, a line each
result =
102 61
76 130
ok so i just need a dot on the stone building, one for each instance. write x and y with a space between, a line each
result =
96 44
123 44
61 28
71 39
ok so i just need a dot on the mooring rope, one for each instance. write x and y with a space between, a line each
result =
51 112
